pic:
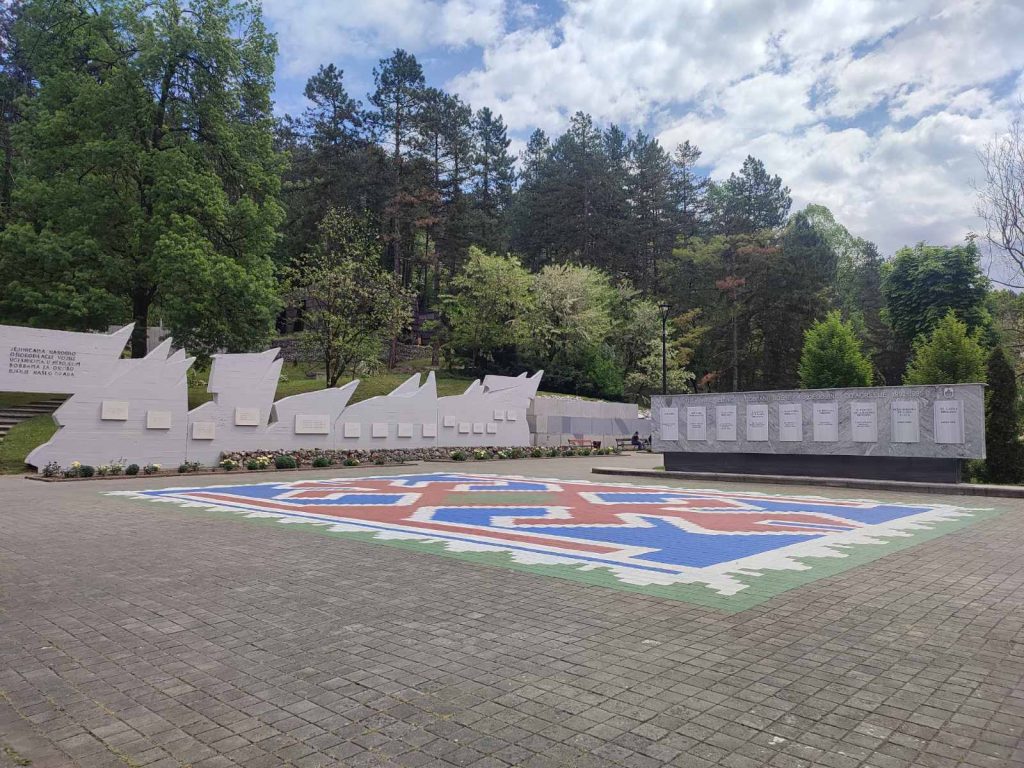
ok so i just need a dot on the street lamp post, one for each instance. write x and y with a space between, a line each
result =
664 347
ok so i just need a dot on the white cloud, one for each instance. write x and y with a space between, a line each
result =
312 32
875 109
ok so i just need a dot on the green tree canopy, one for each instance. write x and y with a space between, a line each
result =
923 283
146 178
487 309
832 356
353 305
949 355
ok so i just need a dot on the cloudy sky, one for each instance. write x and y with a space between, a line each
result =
873 108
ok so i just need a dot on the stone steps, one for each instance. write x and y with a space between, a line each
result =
13 415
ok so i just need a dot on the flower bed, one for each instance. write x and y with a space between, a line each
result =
271 461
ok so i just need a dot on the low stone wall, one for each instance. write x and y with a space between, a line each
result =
555 420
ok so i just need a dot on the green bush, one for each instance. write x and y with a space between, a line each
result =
351 461
537 453
253 464
322 461
950 355
132 469
457 455
229 465
832 356
285 462
86 470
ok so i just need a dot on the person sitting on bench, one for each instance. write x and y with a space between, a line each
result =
635 440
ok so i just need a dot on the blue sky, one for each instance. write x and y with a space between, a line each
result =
874 109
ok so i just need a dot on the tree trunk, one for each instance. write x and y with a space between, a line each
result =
141 299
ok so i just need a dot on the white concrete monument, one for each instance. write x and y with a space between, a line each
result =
136 410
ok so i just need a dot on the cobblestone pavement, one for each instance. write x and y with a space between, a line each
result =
141 634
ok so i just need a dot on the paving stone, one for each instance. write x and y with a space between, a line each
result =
181 636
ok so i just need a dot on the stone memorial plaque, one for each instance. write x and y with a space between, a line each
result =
669 423
949 421
825 419
757 422
791 423
725 422
379 429
464 427
204 430
478 427
158 419
449 421
512 416
696 422
404 429
499 415
864 422
247 417
906 421
430 429
492 429
312 424
352 429
114 410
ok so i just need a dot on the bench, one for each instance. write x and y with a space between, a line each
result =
579 442
627 444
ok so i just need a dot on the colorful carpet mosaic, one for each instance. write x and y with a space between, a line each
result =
727 550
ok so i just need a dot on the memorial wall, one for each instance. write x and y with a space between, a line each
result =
137 410
862 431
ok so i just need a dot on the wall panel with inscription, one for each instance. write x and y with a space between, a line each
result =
944 422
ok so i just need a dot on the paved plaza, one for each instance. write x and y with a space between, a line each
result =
486 614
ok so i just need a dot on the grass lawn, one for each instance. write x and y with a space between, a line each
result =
23 438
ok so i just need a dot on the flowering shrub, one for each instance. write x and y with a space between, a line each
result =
351 462
151 469
190 466
229 465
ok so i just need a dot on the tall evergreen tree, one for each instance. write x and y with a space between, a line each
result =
1004 462
654 213
750 200
495 176
397 101
690 189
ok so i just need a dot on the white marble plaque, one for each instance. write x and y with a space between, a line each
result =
247 417
312 424
158 419
405 430
906 421
825 419
725 422
492 429
791 423
114 410
512 416
204 430
864 422
464 427
949 421
697 423
449 421
478 427
669 423
499 415
379 429
757 422
352 429
430 429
